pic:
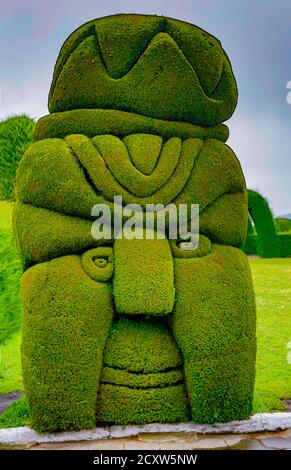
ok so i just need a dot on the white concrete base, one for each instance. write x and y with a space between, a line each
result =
261 422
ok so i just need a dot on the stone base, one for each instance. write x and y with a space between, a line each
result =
152 434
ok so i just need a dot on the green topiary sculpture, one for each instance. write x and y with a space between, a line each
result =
135 330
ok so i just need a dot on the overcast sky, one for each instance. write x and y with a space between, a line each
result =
256 35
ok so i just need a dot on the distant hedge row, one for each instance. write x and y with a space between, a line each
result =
15 136
262 238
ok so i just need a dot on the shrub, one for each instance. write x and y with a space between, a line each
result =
282 224
15 136
261 214
285 244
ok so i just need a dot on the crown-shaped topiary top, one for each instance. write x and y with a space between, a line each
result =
150 65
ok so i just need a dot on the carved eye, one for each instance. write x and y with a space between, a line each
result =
203 249
98 263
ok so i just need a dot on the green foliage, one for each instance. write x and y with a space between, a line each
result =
15 137
214 324
66 321
49 177
123 405
130 62
10 272
260 212
273 380
136 292
250 245
141 346
210 169
125 81
282 224
142 380
16 415
92 122
284 240
42 234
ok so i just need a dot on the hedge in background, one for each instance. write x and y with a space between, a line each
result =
135 331
282 224
284 240
261 214
15 137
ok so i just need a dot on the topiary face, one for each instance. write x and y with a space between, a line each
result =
135 331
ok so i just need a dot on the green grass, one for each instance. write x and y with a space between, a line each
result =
273 378
16 415
10 365
273 290
10 272
10 310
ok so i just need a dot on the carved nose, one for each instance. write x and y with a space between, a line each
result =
143 281
144 151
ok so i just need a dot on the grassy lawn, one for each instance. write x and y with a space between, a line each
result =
272 281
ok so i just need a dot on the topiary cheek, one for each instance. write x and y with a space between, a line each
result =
99 263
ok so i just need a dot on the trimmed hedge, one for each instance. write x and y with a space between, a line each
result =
284 240
282 224
142 380
92 122
66 324
150 65
15 137
83 174
124 405
171 336
136 292
266 240
214 324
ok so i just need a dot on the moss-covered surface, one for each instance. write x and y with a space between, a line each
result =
86 171
142 380
63 343
49 177
113 376
124 405
132 62
91 122
42 234
214 324
143 278
130 96
141 345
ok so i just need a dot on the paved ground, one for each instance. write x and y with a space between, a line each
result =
7 400
180 441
